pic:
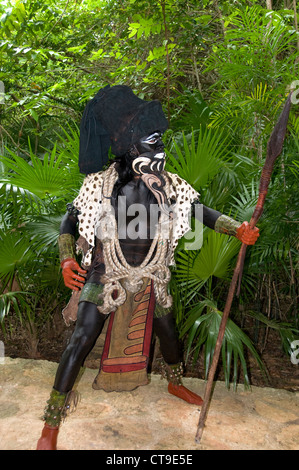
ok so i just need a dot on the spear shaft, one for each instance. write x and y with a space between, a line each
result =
274 148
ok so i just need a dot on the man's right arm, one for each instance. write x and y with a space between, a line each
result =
67 250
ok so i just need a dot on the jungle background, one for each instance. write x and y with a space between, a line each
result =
222 71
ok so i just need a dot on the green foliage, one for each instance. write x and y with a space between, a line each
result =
196 268
42 177
33 197
222 70
198 163
202 326
258 47
14 252
12 300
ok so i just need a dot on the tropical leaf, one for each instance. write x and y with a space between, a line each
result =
68 150
43 232
288 333
14 251
43 178
19 197
199 162
12 300
245 203
215 258
196 111
216 255
201 330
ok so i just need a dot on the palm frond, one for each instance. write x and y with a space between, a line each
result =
245 203
40 177
216 255
12 300
14 251
288 333
68 150
43 232
215 258
195 113
202 330
199 162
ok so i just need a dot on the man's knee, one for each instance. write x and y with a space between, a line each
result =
80 344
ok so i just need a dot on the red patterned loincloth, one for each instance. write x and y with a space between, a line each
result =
127 345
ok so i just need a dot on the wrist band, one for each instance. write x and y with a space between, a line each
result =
66 245
227 225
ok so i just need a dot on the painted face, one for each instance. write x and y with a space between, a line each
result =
149 164
152 143
151 155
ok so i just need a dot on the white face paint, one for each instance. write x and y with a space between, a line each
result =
151 146
139 163
160 155
152 139
142 165
151 157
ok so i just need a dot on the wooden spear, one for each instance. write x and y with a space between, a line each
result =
274 148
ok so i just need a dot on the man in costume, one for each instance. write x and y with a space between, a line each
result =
124 273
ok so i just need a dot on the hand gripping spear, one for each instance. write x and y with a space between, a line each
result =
274 148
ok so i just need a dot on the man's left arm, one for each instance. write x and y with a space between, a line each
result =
223 224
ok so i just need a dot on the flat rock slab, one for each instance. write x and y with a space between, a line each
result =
148 418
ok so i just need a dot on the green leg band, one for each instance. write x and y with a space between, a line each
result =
172 372
54 411
91 292
59 405
161 311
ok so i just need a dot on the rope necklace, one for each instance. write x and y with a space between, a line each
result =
154 265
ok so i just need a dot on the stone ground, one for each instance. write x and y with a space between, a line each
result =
148 418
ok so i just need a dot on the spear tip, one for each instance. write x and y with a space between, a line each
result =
277 137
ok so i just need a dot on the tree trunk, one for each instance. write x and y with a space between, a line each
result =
269 4
167 58
219 15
